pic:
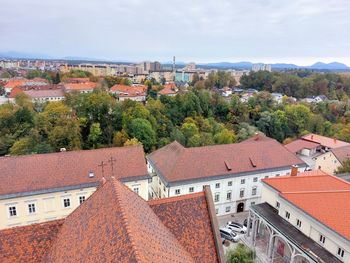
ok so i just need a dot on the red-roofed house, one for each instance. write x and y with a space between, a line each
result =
331 161
169 89
43 187
124 92
302 218
115 225
326 142
12 83
82 87
233 171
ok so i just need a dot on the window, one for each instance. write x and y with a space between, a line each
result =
266 176
277 205
255 179
81 199
136 190
340 252
229 183
287 215
228 209
242 181
217 197
322 239
191 189
216 211
177 191
252 203
31 208
298 223
217 185
277 175
164 189
241 193
229 195
12 211
66 202
254 190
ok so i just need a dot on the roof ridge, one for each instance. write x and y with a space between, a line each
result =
317 192
175 198
125 220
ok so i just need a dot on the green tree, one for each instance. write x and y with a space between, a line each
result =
95 134
225 137
241 254
132 142
345 167
142 130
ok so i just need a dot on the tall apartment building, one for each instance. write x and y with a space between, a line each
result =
259 67
42 187
233 171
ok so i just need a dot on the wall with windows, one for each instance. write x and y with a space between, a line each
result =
308 225
21 211
229 193
327 162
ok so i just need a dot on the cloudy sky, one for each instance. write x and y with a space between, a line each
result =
298 31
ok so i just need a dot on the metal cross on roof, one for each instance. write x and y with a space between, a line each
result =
112 161
102 165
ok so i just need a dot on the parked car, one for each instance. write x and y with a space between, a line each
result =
228 234
245 223
237 227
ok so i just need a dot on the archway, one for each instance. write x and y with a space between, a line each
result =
240 207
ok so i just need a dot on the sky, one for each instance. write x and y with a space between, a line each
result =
268 31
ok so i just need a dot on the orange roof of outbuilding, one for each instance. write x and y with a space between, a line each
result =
325 141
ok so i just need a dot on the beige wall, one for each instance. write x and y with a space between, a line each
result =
327 162
50 206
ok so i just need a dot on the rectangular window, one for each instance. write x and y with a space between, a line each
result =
216 211
266 176
254 190
242 181
164 189
322 239
340 252
229 195
255 179
228 209
136 190
287 215
31 208
217 197
298 223
241 193
277 205
66 202
81 199
177 191
217 185
12 211
229 183
277 175
191 189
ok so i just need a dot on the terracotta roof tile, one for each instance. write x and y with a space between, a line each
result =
80 86
325 141
129 91
342 153
177 163
53 170
14 92
297 145
27 243
168 89
44 93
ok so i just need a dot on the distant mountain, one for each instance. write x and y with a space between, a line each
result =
82 58
242 65
330 66
17 55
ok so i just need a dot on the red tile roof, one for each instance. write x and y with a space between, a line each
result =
298 145
84 86
325 141
77 80
168 89
129 91
14 92
116 225
28 243
177 163
44 93
54 170
342 153
316 194
11 83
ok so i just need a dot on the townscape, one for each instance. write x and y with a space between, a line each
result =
174 131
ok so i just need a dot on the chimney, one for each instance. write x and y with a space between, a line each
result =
312 136
257 136
294 170
335 140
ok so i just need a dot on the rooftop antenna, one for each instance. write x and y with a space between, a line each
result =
102 165
112 161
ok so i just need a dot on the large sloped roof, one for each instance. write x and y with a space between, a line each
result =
316 193
325 141
177 163
54 170
342 153
116 225
297 145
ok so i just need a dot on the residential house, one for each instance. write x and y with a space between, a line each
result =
43 187
277 97
303 218
116 225
124 92
332 160
12 83
45 95
169 89
81 87
233 171
325 142
226 91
